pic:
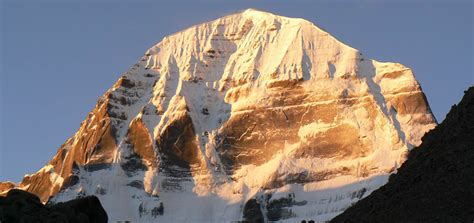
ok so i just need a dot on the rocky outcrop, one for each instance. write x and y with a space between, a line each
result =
247 105
21 206
5 187
435 184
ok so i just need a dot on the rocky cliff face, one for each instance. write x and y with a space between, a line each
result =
435 184
242 111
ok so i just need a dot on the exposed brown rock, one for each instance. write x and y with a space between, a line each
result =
141 141
410 103
178 146
342 141
5 187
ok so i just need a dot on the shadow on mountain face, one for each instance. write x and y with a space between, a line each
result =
435 184
21 206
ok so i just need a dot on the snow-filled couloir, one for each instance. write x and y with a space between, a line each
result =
251 116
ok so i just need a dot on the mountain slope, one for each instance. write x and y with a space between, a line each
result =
249 110
435 184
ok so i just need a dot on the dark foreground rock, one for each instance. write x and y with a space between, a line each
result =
435 184
21 206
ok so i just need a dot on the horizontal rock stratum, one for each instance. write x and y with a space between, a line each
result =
251 116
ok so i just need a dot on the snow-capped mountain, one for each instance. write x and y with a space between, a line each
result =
251 116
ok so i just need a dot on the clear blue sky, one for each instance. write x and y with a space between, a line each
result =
59 57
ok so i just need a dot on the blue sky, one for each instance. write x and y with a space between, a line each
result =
59 57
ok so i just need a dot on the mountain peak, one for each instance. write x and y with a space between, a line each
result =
249 109
258 16
266 44
255 13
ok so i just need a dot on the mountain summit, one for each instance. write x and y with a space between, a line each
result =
251 116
